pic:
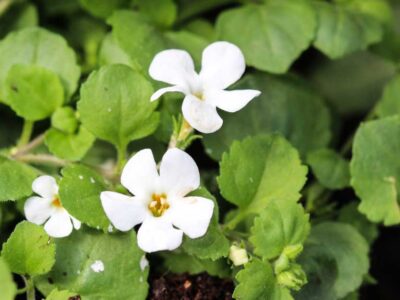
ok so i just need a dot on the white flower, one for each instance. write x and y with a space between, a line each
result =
159 201
222 65
48 209
238 255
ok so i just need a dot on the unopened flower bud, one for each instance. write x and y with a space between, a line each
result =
238 255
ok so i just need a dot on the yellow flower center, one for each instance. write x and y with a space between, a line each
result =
158 204
199 95
56 202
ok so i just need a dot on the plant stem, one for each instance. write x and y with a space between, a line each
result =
232 223
36 142
26 133
121 158
30 288
184 132
42 159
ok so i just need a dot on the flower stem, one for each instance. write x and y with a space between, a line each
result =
26 133
36 142
30 288
178 139
232 223
42 159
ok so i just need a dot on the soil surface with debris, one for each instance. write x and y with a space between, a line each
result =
190 287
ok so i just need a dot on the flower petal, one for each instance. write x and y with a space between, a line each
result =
222 64
140 173
175 67
45 186
76 223
201 115
158 234
59 225
162 91
38 210
192 215
123 211
179 173
231 101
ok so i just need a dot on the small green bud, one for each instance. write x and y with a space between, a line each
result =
238 255
294 278
293 251
281 264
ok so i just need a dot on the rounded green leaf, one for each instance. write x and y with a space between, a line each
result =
60 295
7 286
349 214
343 30
162 12
281 224
70 146
15 179
389 104
375 169
331 170
64 119
80 189
286 105
272 35
101 8
137 37
33 92
42 48
259 169
29 250
257 281
122 276
115 105
342 243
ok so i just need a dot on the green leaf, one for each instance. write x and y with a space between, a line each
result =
343 30
331 170
15 179
350 215
7 286
347 83
111 53
162 12
213 244
389 104
186 263
29 250
80 190
18 16
115 105
40 48
322 272
137 36
280 225
33 92
69 146
122 277
64 119
259 169
285 106
341 242
60 295
257 281
272 35
101 8
375 169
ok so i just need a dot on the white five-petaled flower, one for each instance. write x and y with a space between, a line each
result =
159 202
48 208
222 65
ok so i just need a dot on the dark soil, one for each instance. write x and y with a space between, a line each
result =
190 287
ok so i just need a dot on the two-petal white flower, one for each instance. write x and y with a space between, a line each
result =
159 202
222 65
48 208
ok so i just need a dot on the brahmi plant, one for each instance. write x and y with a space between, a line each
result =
253 141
